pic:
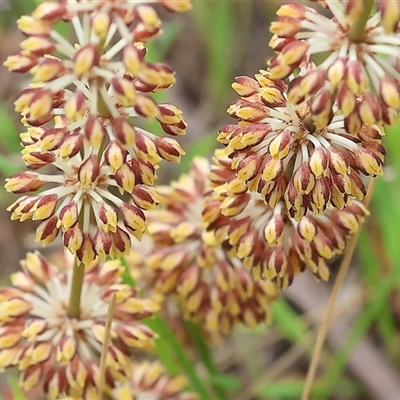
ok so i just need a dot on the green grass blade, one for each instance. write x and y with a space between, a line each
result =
288 321
168 344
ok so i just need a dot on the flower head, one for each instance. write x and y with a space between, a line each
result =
359 69
212 287
61 353
271 243
150 381
103 79
282 153
78 114
85 201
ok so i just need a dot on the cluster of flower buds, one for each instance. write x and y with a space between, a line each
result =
150 381
309 129
285 151
358 70
93 167
273 244
212 287
79 113
224 239
61 354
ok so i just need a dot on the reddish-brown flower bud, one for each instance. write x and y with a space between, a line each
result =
86 253
102 243
169 149
133 58
390 11
347 100
121 242
285 27
321 109
288 59
134 219
94 131
48 69
107 217
146 106
39 46
125 91
124 131
20 62
100 23
247 111
85 59
389 92
245 86
47 231
303 179
75 106
49 12
73 238
115 156
23 182
89 171
337 72
32 26
70 145
41 104
44 207
369 110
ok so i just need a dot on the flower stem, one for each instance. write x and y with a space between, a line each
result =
205 355
323 329
357 30
78 273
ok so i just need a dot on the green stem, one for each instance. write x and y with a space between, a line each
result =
78 273
102 108
126 276
205 355
357 30
167 339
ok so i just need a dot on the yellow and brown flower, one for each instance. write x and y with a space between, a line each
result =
213 288
151 381
357 58
103 80
80 112
281 151
86 201
59 353
272 244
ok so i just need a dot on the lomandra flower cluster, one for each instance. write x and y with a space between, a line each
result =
80 113
60 353
222 241
213 287
91 168
359 73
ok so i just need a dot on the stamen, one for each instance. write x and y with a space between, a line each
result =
86 217
76 23
60 83
107 195
321 21
110 34
115 49
342 141
63 46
